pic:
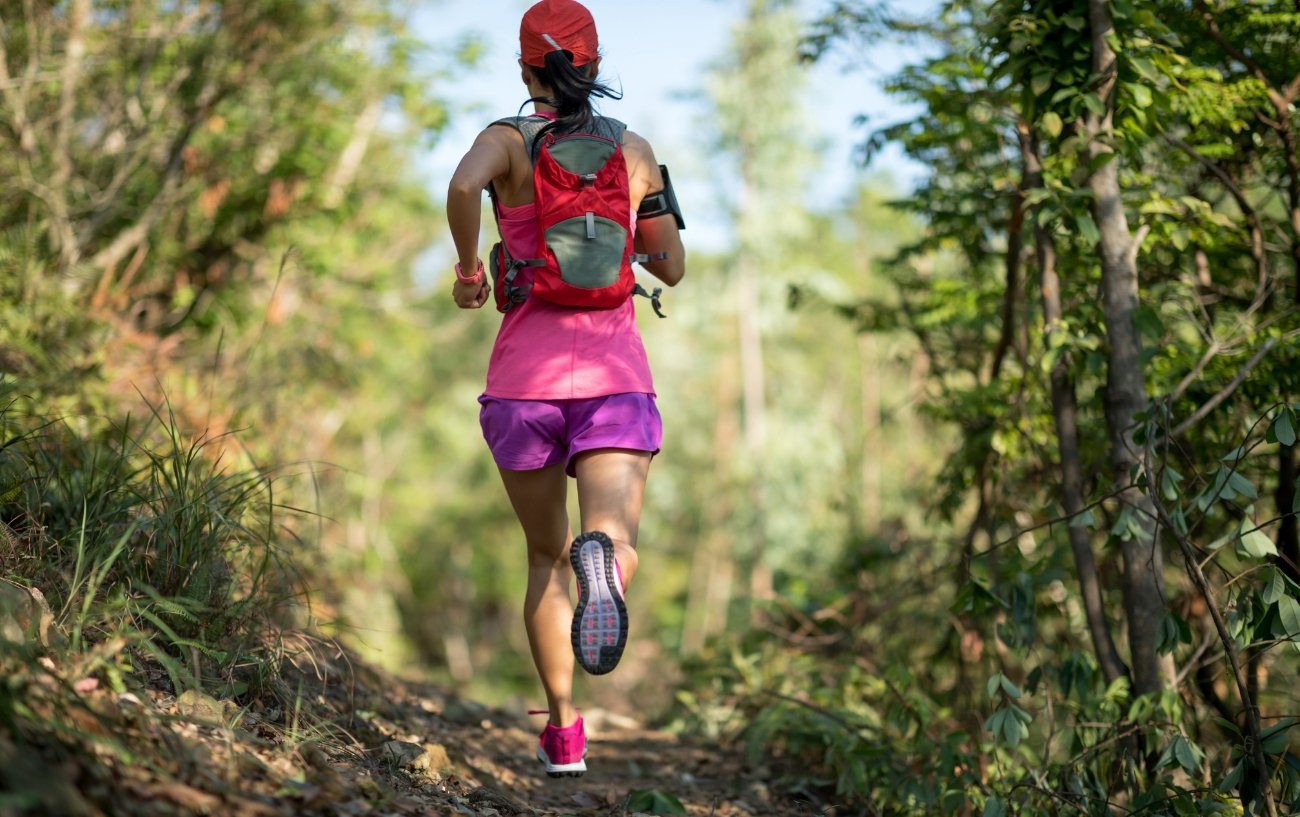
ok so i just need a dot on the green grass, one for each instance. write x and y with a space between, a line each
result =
135 530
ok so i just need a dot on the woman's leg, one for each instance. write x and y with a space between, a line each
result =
538 498
611 486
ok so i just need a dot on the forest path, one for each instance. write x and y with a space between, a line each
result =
491 767
332 737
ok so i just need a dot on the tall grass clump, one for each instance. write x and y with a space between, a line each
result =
132 530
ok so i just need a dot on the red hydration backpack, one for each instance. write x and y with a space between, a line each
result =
584 252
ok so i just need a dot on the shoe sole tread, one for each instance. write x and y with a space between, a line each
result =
600 623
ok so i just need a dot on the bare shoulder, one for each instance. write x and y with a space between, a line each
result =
501 134
636 146
642 168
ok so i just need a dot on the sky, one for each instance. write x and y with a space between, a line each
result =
657 52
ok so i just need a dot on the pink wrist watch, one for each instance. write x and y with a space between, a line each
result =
476 278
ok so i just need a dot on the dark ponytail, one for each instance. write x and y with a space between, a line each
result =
573 87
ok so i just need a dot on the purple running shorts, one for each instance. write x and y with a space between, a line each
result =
524 435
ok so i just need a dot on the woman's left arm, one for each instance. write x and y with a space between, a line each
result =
659 234
488 159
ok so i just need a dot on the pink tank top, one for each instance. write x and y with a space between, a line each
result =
546 351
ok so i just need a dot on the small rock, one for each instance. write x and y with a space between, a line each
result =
434 762
199 707
401 754
24 615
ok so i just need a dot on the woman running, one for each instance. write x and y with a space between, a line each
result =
569 391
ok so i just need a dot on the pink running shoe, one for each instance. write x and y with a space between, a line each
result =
563 751
600 620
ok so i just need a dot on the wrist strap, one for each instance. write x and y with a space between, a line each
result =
470 279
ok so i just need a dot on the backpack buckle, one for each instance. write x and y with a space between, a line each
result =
653 296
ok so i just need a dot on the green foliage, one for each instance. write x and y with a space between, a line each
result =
654 801
136 531
1004 98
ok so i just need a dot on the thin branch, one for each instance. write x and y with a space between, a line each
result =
1216 34
1252 714
1194 374
1209 405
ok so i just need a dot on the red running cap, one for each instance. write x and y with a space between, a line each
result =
557 25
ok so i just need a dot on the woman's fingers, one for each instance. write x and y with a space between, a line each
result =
471 301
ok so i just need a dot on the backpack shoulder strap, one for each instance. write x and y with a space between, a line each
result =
528 127
608 127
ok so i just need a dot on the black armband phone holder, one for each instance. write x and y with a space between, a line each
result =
662 203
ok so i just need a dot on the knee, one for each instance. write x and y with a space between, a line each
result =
548 556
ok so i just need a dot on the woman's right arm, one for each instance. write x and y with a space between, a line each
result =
488 159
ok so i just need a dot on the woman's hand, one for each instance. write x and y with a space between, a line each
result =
470 296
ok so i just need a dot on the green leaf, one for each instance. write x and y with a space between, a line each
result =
1235 454
1226 725
1008 687
1187 755
1094 104
1173 631
1233 778
1101 160
1083 519
1288 609
1169 479
993 684
1064 93
1284 427
1242 485
1275 738
1015 724
1254 542
653 801
1141 94
1040 82
1052 123
1276 587
1088 228
994 723
995 807
974 597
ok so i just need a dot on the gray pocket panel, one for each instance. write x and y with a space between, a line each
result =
589 263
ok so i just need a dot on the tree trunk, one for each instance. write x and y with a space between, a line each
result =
1287 545
1065 415
709 594
1292 156
1015 245
752 373
871 425
1144 604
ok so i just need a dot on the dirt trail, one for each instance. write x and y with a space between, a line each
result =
337 740
493 766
